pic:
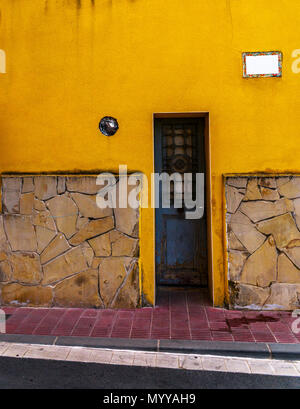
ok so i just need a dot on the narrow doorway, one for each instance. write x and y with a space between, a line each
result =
181 243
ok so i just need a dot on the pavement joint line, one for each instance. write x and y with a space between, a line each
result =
270 351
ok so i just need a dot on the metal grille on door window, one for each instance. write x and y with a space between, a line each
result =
179 151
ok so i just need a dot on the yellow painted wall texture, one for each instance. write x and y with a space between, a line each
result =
70 62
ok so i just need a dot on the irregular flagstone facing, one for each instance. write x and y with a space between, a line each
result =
30 296
61 184
101 245
26 203
261 210
28 185
128 296
236 261
284 296
268 182
246 232
58 248
65 213
293 254
260 268
26 268
233 198
43 236
123 245
44 219
234 243
80 290
11 201
291 189
282 228
4 246
5 271
287 271
92 229
20 232
88 206
249 296
112 272
237 182
297 212
253 192
269 194
45 187
270 275
127 219
82 184
72 262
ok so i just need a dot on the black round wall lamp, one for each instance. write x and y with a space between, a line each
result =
108 125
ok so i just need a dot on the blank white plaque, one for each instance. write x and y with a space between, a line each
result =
264 64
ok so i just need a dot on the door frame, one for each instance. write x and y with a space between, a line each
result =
208 193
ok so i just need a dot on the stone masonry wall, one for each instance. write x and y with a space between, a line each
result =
263 242
58 248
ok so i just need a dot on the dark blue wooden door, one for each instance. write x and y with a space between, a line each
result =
181 249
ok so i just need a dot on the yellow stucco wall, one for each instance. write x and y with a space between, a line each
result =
70 62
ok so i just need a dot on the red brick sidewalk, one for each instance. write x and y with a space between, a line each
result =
180 315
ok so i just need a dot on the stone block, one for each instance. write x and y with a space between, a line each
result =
11 201
260 268
260 210
80 290
128 296
112 272
269 194
290 189
246 232
26 203
287 271
5 271
45 187
267 182
101 245
27 185
123 245
250 296
236 261
61 184
26 268
44 219
239 182
92 229
284 296
72 262
65 213
88 206
30 296
282 228
20 242
253 192
233 198
56 247
44 237
82 184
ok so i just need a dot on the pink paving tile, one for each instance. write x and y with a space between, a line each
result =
278 327
218 326
221 336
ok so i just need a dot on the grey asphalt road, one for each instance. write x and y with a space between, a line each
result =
45 374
